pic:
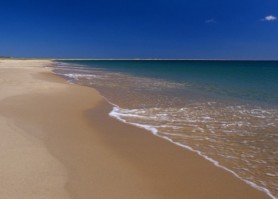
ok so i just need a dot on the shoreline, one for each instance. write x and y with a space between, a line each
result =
118 113
180 153
169 59
96 161
154 131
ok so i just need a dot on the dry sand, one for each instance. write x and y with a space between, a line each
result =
57 141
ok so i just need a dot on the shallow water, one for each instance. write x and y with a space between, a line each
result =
225 111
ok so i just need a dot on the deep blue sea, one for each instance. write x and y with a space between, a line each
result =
226 111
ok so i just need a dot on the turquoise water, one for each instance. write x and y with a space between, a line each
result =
226 111
252 80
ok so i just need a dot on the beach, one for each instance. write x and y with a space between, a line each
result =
58 141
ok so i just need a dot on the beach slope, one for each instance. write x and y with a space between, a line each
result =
57 141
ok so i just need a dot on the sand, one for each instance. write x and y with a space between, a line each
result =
57 141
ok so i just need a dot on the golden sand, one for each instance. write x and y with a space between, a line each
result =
57 141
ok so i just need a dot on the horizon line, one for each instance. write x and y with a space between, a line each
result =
159 59
141 59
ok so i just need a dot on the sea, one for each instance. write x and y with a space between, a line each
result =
225 111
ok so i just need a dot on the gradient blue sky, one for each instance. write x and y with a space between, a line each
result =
213 29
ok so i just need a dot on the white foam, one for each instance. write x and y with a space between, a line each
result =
123 114
77 76
270 174
117 112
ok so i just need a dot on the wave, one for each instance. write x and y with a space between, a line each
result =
202 120
118 112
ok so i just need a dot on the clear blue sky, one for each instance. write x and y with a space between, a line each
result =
238 29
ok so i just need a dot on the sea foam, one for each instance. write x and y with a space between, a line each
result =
217 132
120 113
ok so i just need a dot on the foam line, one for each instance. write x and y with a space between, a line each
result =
114 113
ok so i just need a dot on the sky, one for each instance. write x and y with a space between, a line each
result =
176 29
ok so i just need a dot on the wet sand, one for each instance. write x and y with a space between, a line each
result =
57 141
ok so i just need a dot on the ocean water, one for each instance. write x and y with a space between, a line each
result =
226 111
